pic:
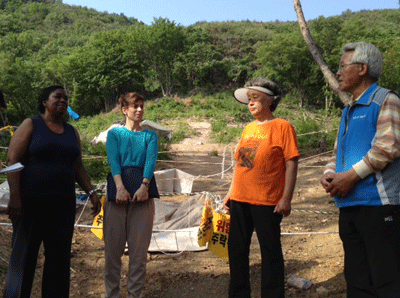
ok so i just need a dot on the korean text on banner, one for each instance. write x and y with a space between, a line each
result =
204 233
214 230
218 243
98 221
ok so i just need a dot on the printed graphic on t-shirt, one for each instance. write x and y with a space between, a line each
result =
247 154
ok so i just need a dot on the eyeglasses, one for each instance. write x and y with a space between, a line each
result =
341 67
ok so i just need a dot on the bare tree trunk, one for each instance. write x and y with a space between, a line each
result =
164 94
326 103
329 76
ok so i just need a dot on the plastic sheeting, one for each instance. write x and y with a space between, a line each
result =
174 216
176 225
4 195
174 181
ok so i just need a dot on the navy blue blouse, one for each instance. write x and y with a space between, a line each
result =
49 163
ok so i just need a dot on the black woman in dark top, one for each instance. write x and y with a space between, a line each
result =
42 197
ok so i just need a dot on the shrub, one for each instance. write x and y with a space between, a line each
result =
314 136
222 133
95 161
183 131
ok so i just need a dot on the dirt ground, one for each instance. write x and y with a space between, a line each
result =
311 245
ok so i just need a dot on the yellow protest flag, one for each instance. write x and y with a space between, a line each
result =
204 233
98 221
218 243
214 230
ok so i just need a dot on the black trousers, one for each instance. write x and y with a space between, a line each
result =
47 219
371 242
244 218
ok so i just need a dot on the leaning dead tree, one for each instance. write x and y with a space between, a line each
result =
328 74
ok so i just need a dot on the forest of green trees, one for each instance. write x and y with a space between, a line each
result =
98 55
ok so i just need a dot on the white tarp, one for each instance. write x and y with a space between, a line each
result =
176 225
161 130
102 137
175 241
4 195
4 188
174 181
174 216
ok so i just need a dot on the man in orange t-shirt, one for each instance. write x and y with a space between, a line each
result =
261 190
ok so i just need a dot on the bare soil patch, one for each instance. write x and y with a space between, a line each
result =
316 257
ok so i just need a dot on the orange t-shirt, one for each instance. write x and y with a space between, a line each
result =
260 162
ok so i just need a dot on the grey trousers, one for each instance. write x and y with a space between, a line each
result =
127 223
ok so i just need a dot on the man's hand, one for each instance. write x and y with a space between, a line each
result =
342 183
326 179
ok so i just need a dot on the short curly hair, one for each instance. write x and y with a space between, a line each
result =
127 99
44 95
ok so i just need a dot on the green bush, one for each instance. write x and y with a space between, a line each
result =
165 108
164 146
222 133
314 136
89 127
198 105
183 131
5 138
95 161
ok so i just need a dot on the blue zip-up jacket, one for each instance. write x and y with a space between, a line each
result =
355 138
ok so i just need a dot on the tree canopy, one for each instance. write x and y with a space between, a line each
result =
97 55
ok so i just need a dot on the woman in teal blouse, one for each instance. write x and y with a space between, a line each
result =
129 209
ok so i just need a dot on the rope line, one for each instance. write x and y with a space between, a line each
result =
315 132
316 155
182 230
316 211
178 231
83 209
222 173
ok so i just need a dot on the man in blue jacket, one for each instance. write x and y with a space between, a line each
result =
364 176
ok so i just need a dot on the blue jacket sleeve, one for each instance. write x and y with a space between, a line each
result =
151 155
113 155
